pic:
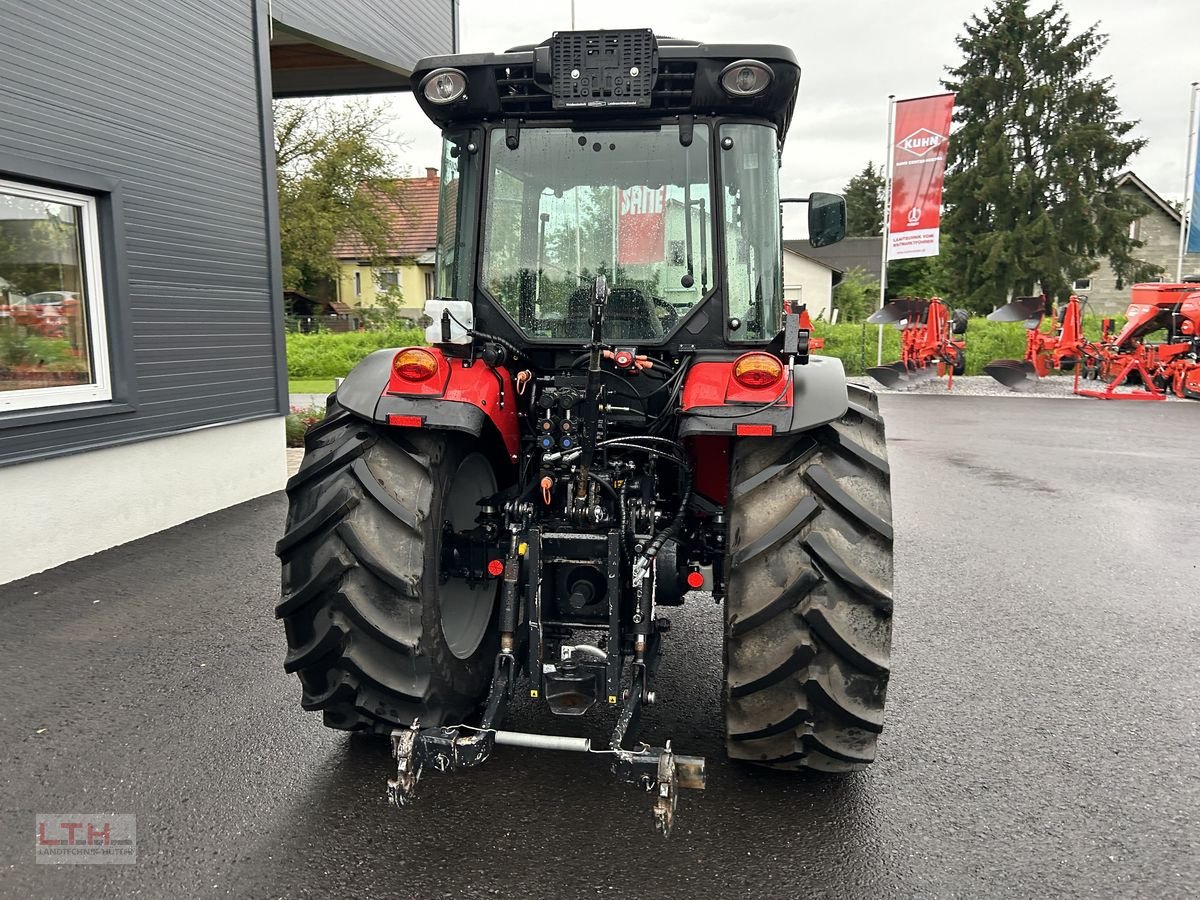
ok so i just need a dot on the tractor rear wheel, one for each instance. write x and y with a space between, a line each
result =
809 599
374 633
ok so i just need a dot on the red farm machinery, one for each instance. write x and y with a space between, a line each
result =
1057 349
1157 350
931 341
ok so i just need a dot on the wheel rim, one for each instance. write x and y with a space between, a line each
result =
466 611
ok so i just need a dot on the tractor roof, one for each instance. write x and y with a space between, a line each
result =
683 77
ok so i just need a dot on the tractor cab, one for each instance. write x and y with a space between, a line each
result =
653 163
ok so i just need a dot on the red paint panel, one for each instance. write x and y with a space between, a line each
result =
712 384
475 384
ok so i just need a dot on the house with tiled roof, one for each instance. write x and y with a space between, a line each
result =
408 264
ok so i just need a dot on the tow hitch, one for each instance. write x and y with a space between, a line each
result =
657 770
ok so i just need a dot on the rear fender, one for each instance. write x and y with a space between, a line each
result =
714 403
465 395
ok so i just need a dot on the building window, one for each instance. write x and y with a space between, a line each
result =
53 345
387 279
1135 230
1082 284
358 284
430 292
675 253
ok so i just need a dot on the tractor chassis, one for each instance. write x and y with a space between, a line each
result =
570 688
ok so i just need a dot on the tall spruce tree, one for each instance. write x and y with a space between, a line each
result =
1031 195
864 202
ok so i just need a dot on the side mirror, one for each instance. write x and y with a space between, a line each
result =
826 219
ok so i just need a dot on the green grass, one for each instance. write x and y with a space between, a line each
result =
310 385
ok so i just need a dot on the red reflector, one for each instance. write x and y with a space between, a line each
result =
755 430
695 580
495 568
406 421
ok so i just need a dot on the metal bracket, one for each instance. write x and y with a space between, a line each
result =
408 766
664 805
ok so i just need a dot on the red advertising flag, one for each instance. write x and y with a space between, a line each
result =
919 142
641 225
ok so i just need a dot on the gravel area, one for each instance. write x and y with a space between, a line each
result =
294 455
1052 388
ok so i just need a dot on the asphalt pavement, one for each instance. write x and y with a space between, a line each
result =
1042 730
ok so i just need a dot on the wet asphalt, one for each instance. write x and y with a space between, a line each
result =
1042 731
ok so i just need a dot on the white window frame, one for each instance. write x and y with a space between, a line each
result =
1081 284
99 390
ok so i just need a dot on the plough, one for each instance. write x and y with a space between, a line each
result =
1058 349
931 342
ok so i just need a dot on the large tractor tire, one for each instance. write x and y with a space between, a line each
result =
809 600
376 637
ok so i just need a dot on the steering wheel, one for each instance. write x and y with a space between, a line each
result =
666 313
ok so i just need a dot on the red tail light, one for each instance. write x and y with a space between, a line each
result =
757 370
415 364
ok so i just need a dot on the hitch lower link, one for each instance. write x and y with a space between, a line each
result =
658 770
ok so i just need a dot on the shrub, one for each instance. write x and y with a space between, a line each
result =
333 355
299 420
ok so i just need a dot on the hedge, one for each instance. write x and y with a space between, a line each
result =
328 354
332 355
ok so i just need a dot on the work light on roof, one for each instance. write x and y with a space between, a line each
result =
746 77
442 86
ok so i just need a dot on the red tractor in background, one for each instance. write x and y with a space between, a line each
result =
931 342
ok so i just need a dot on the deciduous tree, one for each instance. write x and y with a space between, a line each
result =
336 176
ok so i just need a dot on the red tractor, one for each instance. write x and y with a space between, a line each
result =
1172 363
614 412
1060 348
931 342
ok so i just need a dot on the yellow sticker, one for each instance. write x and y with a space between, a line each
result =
533 694
521 548
612 698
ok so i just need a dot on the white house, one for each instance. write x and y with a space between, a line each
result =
808 280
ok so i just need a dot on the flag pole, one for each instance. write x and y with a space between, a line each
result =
887 217
1189 188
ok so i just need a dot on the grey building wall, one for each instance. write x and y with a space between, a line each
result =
161 110
1160 233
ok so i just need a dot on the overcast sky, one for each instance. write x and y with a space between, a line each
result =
853 54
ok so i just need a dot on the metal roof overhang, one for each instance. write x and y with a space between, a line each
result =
305 66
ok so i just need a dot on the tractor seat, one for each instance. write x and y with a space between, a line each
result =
629 315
